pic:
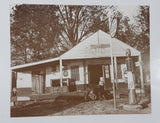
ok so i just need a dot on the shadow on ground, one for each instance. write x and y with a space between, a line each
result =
48 107
75 105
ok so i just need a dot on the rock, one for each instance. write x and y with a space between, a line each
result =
132 107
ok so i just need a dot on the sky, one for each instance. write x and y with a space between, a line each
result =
130 11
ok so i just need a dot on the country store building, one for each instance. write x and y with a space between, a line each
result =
82 65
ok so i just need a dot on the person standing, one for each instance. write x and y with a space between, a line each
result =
14 94
101 87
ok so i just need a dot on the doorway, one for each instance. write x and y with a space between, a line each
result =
38 83
95 72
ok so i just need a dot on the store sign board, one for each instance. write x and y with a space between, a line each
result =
113 27
100 46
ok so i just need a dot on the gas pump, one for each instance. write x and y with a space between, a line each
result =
130 78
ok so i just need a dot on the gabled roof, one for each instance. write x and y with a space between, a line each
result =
95 46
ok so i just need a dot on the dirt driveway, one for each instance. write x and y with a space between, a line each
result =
60 108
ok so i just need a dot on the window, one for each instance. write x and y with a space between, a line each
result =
75 73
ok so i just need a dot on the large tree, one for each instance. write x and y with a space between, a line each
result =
45 31
144 23
136 34
77 23
34 30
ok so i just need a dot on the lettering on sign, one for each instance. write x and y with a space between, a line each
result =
100 46
99 49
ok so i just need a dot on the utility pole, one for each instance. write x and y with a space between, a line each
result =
113 24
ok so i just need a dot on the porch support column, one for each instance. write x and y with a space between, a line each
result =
44 80
13 87
141 73
14 79
87 74
115 68
116 77
61 74
84 70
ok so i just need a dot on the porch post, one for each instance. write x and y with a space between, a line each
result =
61 74
141 73
14 87
14 79
84 70
44 79
115 68
87 76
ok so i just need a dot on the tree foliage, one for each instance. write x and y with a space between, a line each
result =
136 34
46 31
77 23
34 30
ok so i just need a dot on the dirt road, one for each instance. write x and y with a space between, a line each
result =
74 108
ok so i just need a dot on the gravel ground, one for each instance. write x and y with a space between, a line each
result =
101 108
60 108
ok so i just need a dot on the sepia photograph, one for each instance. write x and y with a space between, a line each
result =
79 60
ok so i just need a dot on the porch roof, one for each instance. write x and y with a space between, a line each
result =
34 63
95 46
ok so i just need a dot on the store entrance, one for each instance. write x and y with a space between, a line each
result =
95 72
